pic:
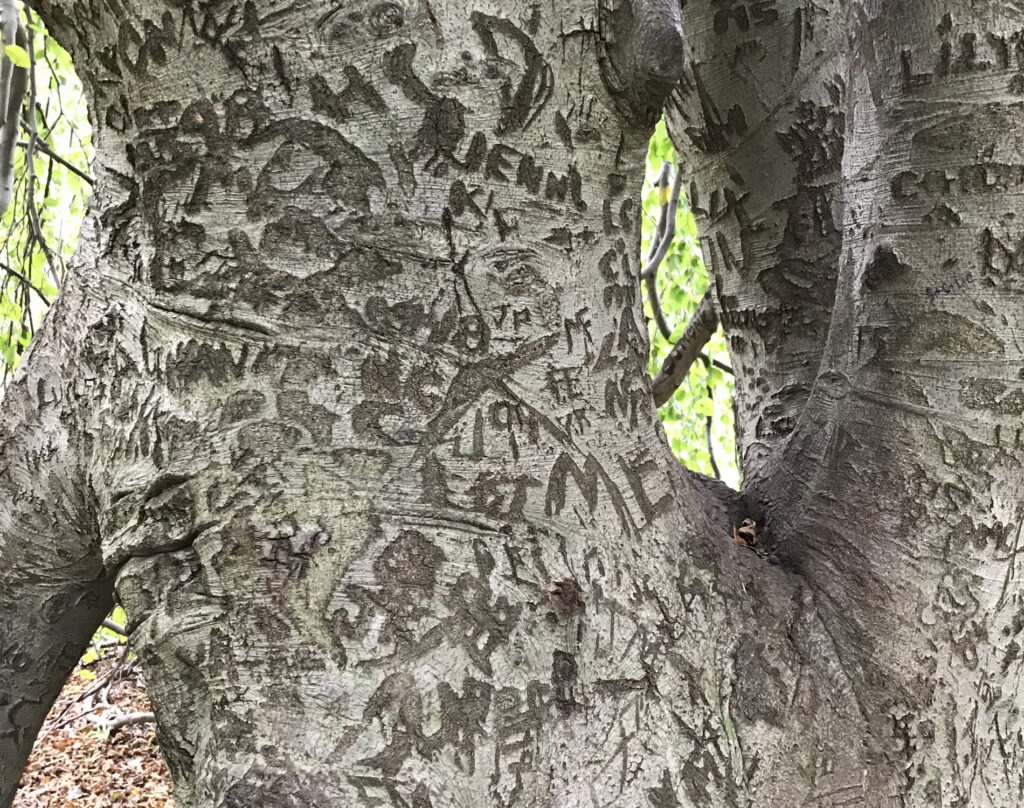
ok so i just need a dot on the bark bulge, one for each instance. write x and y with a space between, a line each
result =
642 54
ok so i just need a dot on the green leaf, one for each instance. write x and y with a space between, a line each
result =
18 55
705 407
9 354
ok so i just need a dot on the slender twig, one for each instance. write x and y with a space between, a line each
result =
718 363
705 320
71 719
96 687
708 421
12 272
126 720
33 139
115 627
666 227
662 183
73 135
121 670
665 231
10 341
42 147
664 236
26 302
12 93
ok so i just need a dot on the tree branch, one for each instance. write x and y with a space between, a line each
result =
685 352
128 719
30 169
11 272
41 146
54 590
664 237
708 421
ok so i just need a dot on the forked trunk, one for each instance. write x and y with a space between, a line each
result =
350 402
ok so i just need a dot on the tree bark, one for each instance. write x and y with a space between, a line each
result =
54 588
351 405
759 119
894 490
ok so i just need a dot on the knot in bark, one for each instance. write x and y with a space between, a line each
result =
642 58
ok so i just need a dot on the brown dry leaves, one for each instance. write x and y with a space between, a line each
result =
78 766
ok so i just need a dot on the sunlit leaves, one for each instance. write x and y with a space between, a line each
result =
39 230
18 55
682 281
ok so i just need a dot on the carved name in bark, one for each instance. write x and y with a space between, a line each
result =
352 378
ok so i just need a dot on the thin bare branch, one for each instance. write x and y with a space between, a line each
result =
11 272
708 422
45 149
664 236
33 141
126 720
662 183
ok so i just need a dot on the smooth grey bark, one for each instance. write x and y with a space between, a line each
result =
54 586
759 119
349 399
884 147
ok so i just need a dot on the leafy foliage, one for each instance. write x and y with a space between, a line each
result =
706 395
39 230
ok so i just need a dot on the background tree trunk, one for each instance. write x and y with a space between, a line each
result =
355 405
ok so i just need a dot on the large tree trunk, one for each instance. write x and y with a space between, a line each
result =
898 495
349 400
54 589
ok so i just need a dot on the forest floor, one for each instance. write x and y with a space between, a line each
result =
78 762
